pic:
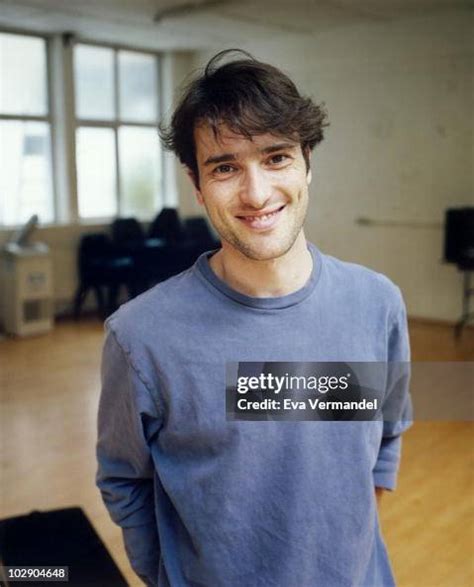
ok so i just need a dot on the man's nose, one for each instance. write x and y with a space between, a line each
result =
255 188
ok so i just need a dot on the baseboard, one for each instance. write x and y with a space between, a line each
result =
435 322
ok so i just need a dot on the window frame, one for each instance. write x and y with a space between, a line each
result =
63 123
116 122
48 119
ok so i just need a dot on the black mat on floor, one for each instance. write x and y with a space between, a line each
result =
59 538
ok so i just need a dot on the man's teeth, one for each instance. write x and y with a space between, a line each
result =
261 218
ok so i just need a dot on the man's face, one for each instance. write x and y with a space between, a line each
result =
255 191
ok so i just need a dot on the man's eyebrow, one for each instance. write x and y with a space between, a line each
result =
220 159
278 147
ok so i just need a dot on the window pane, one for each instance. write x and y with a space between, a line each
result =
23 75
94 82
140 171
96 178
25 172
138 87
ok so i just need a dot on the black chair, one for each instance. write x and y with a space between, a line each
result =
151 257
459 249
127 235
198 231
168 251
101 268
197 238
128 238
167 227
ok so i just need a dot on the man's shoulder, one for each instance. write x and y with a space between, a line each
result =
152 309
358 281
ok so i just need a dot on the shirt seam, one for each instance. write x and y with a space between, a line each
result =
128 357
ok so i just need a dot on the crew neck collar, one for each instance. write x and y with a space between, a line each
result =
205 272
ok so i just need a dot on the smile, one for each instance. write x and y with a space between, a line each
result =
262 221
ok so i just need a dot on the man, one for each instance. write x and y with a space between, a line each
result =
203 499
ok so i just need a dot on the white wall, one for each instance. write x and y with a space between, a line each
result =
399 148
177 68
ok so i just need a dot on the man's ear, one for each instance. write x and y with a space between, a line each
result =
197 192
307 158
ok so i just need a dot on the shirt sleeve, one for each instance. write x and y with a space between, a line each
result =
125 473
397 409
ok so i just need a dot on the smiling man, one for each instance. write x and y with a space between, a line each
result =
207 500
258 186
255 192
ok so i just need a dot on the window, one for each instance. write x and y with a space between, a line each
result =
118 156
111 136
26 185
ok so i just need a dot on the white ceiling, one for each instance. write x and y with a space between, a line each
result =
223 22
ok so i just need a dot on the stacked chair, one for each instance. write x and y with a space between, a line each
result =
102 270
135 259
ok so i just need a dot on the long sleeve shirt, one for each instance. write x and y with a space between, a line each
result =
207 501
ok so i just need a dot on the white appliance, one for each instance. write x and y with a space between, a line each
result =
27 288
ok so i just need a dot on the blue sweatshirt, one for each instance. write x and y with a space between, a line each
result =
208 502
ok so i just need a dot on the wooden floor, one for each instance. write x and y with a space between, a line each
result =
49 395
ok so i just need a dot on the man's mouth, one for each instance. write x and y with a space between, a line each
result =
261 221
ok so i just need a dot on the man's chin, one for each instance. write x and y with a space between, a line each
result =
263 252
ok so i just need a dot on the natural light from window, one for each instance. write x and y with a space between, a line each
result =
25 132
118 153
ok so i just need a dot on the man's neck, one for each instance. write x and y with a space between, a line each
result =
262 279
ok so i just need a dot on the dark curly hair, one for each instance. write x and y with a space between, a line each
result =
248 96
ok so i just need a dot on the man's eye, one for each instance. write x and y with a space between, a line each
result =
223 169
278 158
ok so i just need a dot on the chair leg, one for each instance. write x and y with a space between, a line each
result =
467 315
79 300
112 297
99 294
